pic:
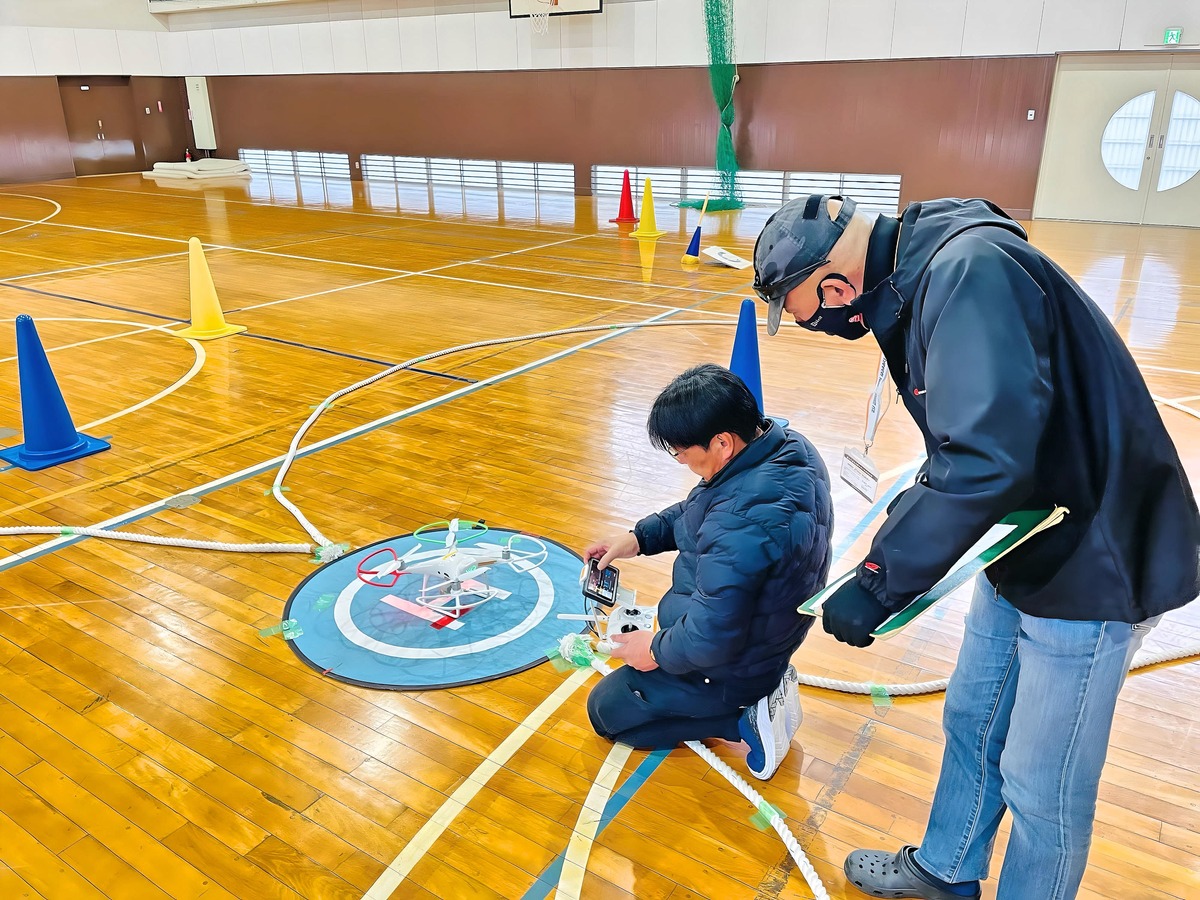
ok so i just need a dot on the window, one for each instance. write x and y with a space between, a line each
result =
1181 153
1123 144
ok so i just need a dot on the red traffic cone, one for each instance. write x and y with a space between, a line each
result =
625 214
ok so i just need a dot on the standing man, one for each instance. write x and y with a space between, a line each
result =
1027 399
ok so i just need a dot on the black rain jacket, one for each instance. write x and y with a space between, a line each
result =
1027 398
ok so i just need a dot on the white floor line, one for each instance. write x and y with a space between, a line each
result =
400 868
101 265
334 290
267 465
30 223
570 881
430 274
1174 405
669 287
269 203
1167 369
197 364
1188 399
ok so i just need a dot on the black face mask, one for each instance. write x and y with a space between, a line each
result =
839 321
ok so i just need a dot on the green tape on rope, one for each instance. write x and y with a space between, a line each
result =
285 489
880 696
766 813
66 529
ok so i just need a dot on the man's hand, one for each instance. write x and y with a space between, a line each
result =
852 613
624 546
634 648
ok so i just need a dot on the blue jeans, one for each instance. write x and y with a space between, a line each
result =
1027 720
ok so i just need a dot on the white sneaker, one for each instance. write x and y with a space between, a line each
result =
769 726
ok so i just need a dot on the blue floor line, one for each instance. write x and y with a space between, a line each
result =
899 485
548 880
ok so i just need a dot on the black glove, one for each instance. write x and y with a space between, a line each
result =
852 613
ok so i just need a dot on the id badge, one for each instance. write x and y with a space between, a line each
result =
860 473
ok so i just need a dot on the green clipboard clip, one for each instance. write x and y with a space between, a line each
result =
1003 537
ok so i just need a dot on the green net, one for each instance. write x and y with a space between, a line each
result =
722 73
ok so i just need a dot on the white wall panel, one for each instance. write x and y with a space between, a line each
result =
316 46
1145 21
1068 26
16 52
54 51
456 42
645 34
203 49
1009 28
286 58
860 29
349 45
418 44
231 59
496 40
750 30
620 21
139 53
584 41
98 52
681 37
382 37
796 29
539 51
173 53
256 50
928 28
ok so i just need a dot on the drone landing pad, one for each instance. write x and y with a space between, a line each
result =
379 636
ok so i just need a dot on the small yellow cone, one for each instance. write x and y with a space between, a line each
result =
646 248
208 322
647 227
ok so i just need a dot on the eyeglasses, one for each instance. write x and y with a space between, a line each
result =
770 293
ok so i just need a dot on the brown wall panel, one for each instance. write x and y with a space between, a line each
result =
949 127
33 132
164 135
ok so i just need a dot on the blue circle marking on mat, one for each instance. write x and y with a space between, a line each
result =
366 634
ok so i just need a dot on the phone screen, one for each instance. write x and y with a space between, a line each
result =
602 584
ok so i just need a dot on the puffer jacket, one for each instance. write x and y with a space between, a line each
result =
754 543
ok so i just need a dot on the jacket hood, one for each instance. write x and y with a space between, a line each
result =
927 227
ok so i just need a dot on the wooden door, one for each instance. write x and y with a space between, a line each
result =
101 125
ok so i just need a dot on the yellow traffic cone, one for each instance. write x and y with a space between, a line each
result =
646 248
647 227
208 322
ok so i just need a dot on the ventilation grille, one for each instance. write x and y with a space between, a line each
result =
874 193
474 173
305 163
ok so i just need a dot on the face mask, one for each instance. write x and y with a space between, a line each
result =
839 321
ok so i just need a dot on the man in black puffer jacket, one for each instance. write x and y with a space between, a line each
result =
754 543
1027 399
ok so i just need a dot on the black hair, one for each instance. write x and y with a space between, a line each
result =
703 402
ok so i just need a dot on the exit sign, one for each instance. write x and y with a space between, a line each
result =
1172 35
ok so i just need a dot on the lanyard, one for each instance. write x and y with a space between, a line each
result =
875 404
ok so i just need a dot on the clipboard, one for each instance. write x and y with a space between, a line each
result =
1003 537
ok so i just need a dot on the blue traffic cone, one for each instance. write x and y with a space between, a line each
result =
50 435
692 255
745 363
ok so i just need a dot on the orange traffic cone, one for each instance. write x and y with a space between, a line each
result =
625 214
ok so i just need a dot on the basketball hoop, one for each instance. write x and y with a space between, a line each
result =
540 20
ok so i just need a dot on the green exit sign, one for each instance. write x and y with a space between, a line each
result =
1172 35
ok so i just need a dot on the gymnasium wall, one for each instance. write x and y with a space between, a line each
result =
936 90
33 131
949 126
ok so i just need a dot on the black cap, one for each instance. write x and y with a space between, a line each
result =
794 243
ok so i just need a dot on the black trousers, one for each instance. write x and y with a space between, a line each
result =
652 710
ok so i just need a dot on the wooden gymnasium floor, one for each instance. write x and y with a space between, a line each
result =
151 744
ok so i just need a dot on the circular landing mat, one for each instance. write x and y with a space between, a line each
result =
375 636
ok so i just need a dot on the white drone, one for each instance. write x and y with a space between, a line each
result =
452 575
